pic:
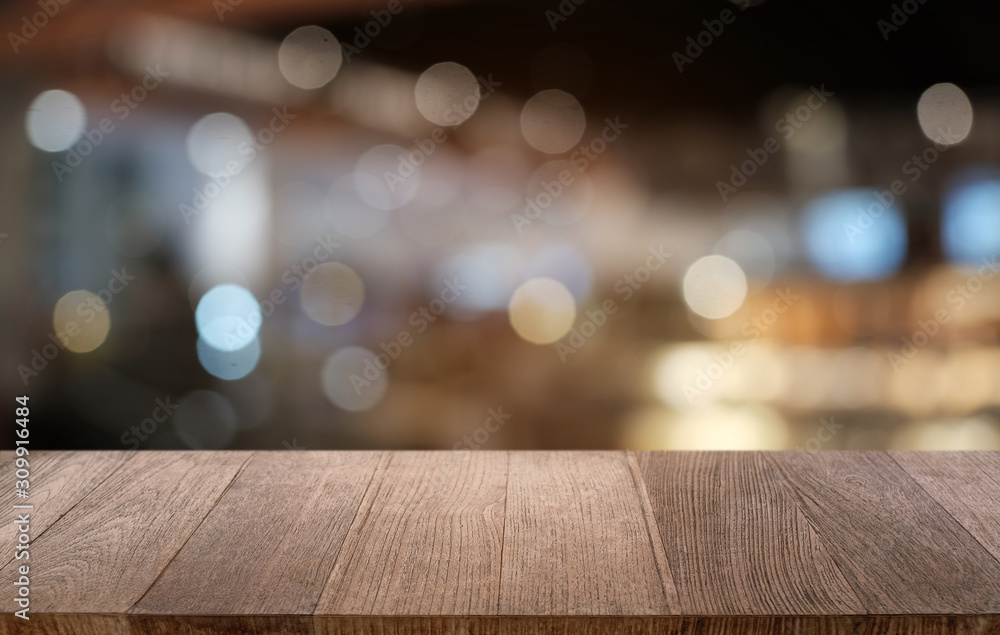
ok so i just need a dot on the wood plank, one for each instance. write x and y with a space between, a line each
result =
899 549
58 481
577 540
268 546
405 625
48 624
220 625
736 541
966 484
750 625
108 549
522 543
427 539
65 624
123 624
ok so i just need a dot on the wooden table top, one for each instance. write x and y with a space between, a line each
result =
506 542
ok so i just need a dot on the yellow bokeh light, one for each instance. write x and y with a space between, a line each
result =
714 287
542 310
81 321
332 294
715 427
976 433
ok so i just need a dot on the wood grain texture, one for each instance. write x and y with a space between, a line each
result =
406 625
220 625
576 541
48 624
520 543
58 481
268 546
736 540
426 540
109 548
65 624
750 625
966 484
122 624
898 548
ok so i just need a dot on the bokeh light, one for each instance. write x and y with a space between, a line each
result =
309 57
831 251
56 120
972 434
212 276
684 375
228 317
716 427
851 235
229 365
81 321
970 221
945 114
355 378
811 378
447 94
542 310
217 140
490 272
553 121
823 130
332 294
714 287
205 420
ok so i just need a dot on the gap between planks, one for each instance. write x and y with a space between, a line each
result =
197 527
80 498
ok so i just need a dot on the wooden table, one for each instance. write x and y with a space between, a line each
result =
507 542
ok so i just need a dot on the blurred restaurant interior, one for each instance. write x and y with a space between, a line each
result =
529 224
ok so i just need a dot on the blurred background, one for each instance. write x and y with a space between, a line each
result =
480 224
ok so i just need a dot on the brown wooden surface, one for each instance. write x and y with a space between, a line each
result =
58 481
269 545
718 515
896 545
426 540
509 543
966 484
576 541
109 548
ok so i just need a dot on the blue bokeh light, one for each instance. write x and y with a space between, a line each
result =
490 272
851 235
970 221
228 317
229 365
